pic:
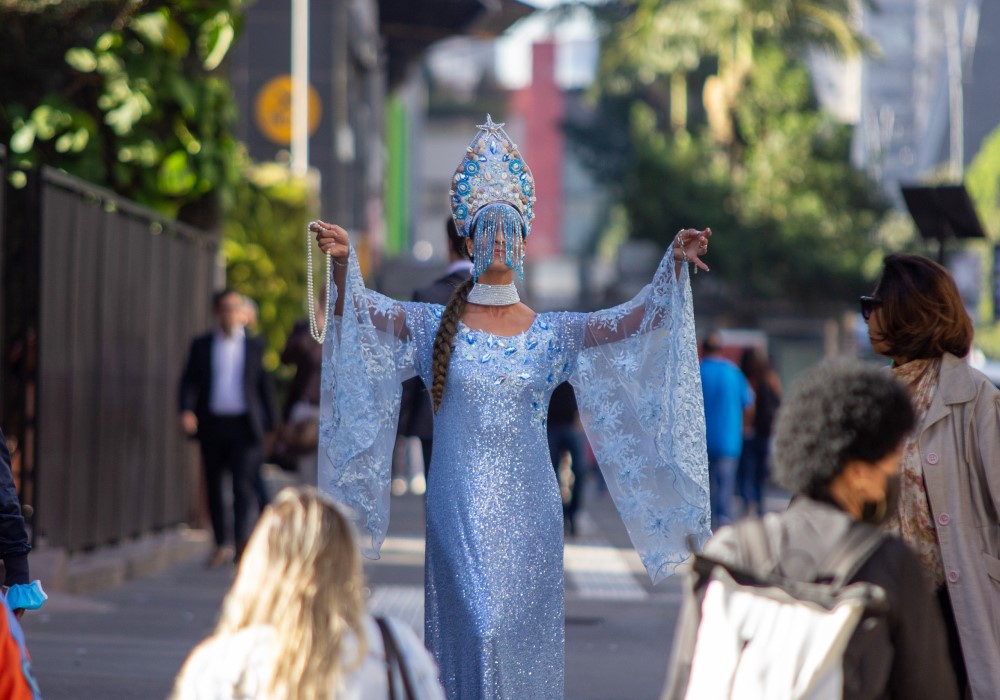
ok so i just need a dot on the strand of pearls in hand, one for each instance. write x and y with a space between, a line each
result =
493 294
679 243
318 335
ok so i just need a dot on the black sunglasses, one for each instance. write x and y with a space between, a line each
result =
868 305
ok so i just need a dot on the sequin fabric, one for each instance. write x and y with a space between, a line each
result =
494 573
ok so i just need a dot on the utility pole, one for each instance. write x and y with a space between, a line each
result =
955 96
300 87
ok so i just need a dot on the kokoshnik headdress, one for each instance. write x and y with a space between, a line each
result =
494 188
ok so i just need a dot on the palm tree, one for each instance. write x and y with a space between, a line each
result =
665 40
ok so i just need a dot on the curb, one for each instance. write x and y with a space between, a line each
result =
107 567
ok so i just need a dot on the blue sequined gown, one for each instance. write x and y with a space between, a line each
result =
494 612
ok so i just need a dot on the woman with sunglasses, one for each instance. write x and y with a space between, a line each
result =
950 490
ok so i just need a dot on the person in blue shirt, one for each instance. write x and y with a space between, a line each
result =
727 395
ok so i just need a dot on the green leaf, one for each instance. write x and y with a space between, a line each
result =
175 177
64 143
220 38
23 139
82 60
177 40
184 93
151 27
81 137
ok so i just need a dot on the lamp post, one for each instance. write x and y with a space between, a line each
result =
300 87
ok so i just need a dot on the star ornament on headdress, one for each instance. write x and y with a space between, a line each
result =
492 172
490 125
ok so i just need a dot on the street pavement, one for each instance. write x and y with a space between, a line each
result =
130 641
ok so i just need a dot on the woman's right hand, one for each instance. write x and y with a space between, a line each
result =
331 239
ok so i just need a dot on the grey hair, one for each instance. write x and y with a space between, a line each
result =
837 412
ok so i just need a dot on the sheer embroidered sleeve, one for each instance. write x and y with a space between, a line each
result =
638 388
374 346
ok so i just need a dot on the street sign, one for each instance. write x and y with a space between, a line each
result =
273 110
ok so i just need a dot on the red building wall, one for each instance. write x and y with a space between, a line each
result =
540 108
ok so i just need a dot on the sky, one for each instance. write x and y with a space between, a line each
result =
576 56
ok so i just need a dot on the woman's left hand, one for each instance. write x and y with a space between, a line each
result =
690 244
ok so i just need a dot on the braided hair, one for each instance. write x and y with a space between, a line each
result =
444 339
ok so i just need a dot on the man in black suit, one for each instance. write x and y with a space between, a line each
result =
416 417
227 402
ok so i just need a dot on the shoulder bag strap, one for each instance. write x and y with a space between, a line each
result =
755 546
855 547
394 659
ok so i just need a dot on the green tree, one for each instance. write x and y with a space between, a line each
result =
775 180
130 95
134 96
265 248
982 179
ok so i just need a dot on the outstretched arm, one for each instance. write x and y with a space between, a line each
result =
654 306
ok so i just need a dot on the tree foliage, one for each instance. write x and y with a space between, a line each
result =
982 179
752 155
127 94
265 245
133 95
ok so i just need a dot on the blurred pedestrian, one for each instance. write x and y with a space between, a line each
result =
948 512
838 443
727 395
14 543
298 437
293 625
753 468
251 314
416 416
227 403
566 438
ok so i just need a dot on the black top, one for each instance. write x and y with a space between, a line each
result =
562 406
302 351
14 545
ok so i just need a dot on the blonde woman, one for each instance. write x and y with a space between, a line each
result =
294 627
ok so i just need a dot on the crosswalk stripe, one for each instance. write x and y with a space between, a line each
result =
594 570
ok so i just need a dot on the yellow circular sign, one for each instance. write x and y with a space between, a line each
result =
273 110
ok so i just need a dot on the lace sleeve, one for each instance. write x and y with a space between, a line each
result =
366 356
639 393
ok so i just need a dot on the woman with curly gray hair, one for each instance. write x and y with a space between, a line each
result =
837 447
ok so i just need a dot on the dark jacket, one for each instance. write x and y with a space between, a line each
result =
416 415
196 384
14 545
306 355
905 656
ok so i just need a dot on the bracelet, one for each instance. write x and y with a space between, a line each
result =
338 264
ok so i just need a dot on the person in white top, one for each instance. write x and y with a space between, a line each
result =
293 625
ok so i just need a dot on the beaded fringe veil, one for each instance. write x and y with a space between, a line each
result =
498 216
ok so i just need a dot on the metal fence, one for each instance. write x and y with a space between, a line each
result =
112 295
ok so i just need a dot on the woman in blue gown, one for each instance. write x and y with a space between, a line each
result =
494 611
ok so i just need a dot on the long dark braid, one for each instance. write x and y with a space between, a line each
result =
444 339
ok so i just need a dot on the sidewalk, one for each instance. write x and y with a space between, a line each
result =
128 642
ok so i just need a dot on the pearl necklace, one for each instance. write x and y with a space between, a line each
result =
493 294
318 335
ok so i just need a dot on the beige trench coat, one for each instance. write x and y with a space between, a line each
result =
960 451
